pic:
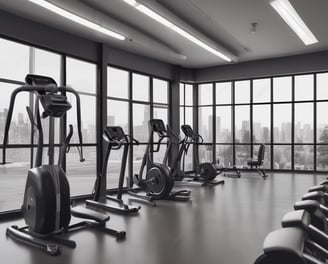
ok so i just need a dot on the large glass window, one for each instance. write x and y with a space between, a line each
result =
242 92
206 123
205 94
140 87
262 90
160 91
282 124
141 116
223 124
261 123
285 113
282 157
242 124
17 60
118 114
14 60
304 87
48 64
223 93
282 89
322 86
117 83
81 76
303 123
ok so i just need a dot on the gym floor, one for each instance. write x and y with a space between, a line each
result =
225 224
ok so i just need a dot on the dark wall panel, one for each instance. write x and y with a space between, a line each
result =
46 37
132 61
312 62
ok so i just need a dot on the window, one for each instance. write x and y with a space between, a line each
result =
304 87
322 122
282 124
14 56
223 93
224 155
242 124
242 92
188 95
205 94
206 123
303 157
223 124
282 89
276 109
262 90
160 91
48 64
261 123
20 128
117 83
186 117
81 76
118 114
304 123
282 157
322 86
243 153
17 61
141 116
140 87
205 153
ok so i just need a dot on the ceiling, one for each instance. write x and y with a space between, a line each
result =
223 24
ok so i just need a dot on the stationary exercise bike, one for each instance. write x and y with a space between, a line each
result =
46 207
204 172
158 181
114 138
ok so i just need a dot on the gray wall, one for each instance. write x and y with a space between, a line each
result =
139 63
49 38
313 62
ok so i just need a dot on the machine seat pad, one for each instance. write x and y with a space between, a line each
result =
310 205
299 218
289 240
319 188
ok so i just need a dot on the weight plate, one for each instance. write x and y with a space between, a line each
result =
208 171
156 182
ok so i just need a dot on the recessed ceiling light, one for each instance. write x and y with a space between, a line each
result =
152 14
294 21
82 21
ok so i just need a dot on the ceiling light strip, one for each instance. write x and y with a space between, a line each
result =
152 14
59 11
294 21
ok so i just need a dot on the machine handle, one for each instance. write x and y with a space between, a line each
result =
41 90
78 114
132 140
65 147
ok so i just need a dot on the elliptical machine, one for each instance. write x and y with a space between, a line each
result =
46 207
159 181
114 138
204 172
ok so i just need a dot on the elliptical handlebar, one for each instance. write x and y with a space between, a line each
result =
41 90
116 143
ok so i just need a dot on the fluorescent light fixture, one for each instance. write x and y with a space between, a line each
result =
294 21
152 14
131 2
59 11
